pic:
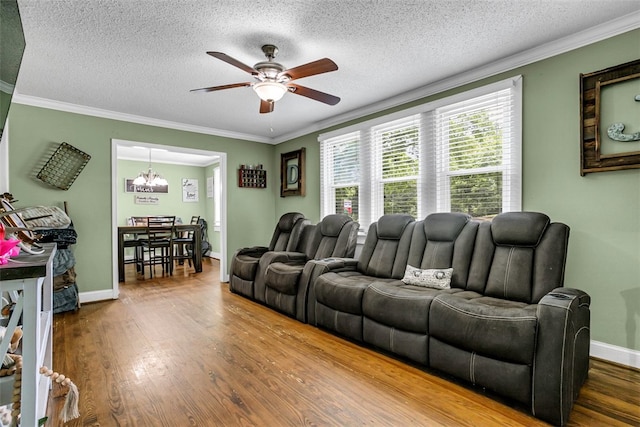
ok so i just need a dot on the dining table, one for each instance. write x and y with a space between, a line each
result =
179 228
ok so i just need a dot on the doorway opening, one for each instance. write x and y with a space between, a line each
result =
202 163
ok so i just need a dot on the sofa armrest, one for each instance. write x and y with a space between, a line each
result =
286 257
562 353
254 251
336 264
312 270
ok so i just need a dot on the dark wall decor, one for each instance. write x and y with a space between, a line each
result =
292 173
130 187
250 176
594 134
64 166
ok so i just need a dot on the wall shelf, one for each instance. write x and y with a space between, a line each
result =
252 178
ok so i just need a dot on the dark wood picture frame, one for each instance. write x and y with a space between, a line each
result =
292 165
591 157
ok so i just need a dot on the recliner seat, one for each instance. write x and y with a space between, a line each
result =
338 294
245 262
334 236
497 335
396 314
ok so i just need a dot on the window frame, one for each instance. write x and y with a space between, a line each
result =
432 196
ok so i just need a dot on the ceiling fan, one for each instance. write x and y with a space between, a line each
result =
273 80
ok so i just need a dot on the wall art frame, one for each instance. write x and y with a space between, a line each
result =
592 157
130 187
190 190
292 171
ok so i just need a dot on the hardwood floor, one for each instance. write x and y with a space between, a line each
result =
184 351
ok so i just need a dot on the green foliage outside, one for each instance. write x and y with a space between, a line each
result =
475 141
401 161
346 171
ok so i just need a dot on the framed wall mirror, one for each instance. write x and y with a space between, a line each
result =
292 173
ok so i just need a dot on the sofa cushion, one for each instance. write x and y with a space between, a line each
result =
437 278
444 226
392 226
245 266
398 305
343 291
386 248
519 228
283 277
287 232
444 240
492 327
331 225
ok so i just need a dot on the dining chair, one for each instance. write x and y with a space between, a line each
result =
133 240
183 243
157 246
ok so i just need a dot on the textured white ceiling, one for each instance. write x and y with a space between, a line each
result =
141 57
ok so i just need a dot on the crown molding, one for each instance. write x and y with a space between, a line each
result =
583 38
114 115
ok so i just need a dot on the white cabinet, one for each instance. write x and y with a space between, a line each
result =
29 278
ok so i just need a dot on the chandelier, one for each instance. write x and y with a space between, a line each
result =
150 178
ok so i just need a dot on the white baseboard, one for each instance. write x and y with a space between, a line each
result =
96 296
613 353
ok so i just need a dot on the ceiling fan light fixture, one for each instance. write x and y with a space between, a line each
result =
270 91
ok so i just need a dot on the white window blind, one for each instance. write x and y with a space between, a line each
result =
477 161
460 153
340 174
395 161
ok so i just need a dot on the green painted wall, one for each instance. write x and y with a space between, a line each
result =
35 132
603 209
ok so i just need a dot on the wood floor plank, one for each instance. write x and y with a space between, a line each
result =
184 351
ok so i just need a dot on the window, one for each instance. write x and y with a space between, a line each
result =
217 200
341 175
476 159
396 166
458 154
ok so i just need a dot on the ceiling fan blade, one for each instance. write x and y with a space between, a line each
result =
229 60
266 106
320 66
313 94
213 88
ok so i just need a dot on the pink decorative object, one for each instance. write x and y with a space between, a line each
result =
8 248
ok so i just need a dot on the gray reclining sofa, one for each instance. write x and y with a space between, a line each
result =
505 322
482 301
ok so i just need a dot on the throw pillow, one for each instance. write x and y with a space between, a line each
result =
438 278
